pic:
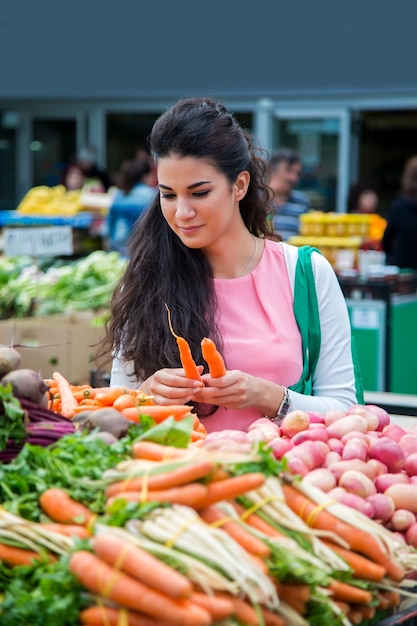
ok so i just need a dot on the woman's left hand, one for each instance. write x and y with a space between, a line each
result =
234 390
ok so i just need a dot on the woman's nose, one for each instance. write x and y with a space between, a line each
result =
184 209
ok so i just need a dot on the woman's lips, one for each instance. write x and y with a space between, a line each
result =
189 230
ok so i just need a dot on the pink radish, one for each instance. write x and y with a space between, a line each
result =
279 446
354 464
294 422
356 502
355 449
321 478
389 452
357 483
411 535
383 481
371 418
332 416
312 434
402 519
394 432
384 506
409 443
404 496
346 424
410 464
382 415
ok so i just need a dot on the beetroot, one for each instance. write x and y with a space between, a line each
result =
26 383
10 359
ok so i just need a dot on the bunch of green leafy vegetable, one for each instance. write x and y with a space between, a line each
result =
43 594
12 415
27 289
77 463
87 283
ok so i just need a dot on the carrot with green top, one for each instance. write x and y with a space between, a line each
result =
214 516
100 615
189 472
231 488
140 564
11 555
108 582
60 507
187 361
213 358
158 413
188 495
358 540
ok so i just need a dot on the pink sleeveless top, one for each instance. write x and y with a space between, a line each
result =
259 331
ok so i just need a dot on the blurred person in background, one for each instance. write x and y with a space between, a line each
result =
73 177
363 199
399 241
134 193
87 161
285 170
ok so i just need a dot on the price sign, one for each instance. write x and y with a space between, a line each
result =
38 241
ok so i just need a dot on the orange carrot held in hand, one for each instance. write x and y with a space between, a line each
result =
213 358
187 361
60 507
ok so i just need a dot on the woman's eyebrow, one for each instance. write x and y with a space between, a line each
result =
193 186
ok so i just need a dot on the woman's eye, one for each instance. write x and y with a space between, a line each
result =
167 196
201 194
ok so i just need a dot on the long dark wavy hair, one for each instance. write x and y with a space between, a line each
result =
161 270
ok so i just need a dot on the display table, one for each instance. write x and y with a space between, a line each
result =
87 227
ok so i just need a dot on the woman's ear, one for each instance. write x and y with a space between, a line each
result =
241 185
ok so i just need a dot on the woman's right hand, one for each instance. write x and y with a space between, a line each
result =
170 386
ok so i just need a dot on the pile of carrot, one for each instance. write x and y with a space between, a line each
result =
70 400
145 591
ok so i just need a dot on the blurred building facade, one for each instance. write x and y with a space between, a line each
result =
321 79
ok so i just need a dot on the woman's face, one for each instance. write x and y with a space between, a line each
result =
198 201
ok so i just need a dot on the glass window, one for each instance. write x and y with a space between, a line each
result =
317 142
53 146
9 121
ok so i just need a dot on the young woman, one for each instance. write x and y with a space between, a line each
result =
205 250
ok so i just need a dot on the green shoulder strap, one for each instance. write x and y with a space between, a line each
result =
307 315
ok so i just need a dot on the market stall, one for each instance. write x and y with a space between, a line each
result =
125 512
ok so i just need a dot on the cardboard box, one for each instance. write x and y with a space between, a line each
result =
58 342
